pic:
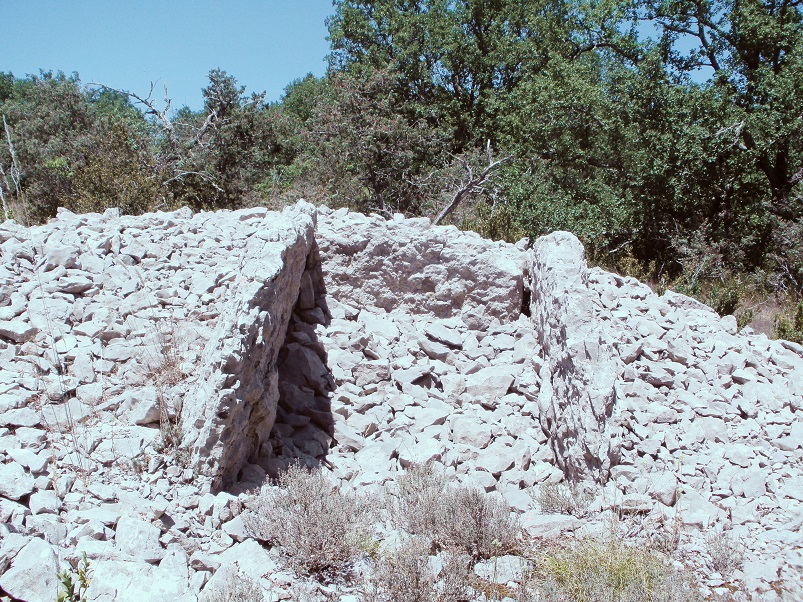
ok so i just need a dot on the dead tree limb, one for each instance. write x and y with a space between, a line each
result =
170 162
3 196
473 185
150 108
15 172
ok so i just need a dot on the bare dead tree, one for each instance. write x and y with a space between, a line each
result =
150 108
14 172
162 115
472 184
2 194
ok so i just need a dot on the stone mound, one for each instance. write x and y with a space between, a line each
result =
154 370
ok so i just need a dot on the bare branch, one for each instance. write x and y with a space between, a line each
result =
16 173
210 119
3 196
150 108
204 176
474 184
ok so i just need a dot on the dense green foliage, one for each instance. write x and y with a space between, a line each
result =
667 134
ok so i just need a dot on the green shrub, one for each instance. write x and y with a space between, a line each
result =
561 498
727 554
457 517
407 575
417 507
74 586
790 327
592 570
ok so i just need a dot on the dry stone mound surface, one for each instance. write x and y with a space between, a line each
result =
156 371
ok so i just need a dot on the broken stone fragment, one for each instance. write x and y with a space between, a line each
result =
443 334
33 575
139 539
15 483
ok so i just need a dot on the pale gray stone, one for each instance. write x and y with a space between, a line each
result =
501 570
470 430
74 284
66 256
33 575
44 502
440 333
415 268
141 406
419 452
18 330
12 513
236 529
664 487
548 525
214 412
34 462
378 325
490 384
20 417
14 481
251 558
134 581
137 538
577 381
496 459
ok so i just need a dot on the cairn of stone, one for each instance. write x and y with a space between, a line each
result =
157 370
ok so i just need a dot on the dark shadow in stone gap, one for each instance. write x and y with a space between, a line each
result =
303 431
526 299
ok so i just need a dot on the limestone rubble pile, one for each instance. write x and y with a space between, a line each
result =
155 370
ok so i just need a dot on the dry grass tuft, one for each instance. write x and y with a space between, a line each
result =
592 570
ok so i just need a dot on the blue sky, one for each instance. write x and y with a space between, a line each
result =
127 44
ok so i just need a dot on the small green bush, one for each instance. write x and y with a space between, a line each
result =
726 553
407 575
561 498
790 327
591 570
74 586
418 506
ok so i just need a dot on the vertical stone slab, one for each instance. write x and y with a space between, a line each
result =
577 395
229 414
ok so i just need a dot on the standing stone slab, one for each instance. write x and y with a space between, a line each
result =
410 265
577 395
229 414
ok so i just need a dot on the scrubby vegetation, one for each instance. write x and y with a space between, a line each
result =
666 135
407 574
319 528
434 546
457 517
74 585
591 570
562 498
